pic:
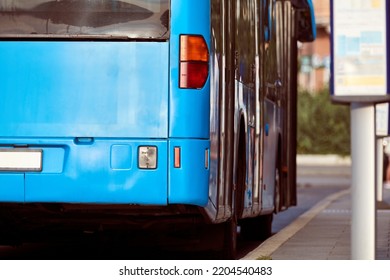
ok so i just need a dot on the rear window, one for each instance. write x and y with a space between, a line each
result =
133 19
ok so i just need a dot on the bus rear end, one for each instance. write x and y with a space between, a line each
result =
101 103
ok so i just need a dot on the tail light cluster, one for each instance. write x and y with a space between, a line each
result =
194 62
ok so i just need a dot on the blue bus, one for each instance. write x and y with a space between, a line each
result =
169 110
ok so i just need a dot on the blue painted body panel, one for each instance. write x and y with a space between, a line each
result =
84 89
188 109
104 171
53 92
189 183
12 187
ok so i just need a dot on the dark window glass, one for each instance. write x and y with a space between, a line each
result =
145 19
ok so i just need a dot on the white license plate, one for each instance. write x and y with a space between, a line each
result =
20 160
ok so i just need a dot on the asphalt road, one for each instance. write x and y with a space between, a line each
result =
314 184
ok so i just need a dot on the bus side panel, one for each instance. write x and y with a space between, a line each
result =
290 197
270 153
189 115
188 183
105 171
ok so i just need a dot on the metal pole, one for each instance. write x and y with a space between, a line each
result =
363 241
379 169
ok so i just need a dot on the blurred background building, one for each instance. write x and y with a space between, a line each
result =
314 58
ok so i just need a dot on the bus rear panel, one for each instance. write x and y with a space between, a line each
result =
92 109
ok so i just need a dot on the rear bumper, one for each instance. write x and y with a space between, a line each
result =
106 171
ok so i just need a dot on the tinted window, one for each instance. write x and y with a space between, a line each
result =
83 18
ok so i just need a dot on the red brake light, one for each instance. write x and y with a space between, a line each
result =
194 61
193 74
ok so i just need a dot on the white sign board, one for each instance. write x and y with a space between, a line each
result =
359 48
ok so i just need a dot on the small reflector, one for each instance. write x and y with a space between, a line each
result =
177 156
206 159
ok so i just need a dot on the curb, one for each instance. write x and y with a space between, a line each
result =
323 160
268 247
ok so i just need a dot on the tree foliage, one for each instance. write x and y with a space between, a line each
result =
323 127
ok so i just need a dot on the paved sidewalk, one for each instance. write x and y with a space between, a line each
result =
323 233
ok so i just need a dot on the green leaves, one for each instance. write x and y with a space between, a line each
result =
323 127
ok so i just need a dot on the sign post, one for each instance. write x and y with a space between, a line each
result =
360 78
363 243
